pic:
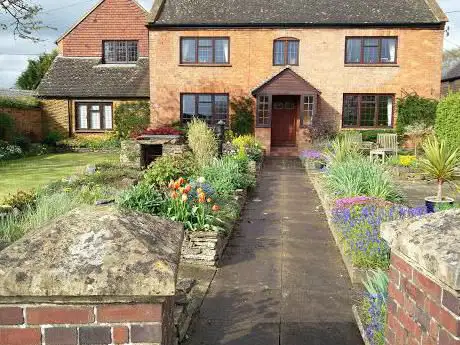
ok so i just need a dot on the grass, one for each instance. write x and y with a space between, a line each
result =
32 172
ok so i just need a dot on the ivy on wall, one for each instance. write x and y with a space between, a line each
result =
19 102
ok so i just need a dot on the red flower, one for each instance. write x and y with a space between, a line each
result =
187 189
216 208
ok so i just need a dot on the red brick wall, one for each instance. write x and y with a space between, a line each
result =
420 310
146 324
111 20
28 122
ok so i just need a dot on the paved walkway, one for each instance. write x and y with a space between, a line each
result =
282 281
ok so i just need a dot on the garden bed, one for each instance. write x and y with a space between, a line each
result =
206 248
356 274
360 325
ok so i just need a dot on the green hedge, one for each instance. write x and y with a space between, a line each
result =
447 124
19 103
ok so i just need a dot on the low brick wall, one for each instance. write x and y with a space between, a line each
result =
28 122
424 287
53 324
94 276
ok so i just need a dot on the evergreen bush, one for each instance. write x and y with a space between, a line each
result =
413 108
131 117
447 124
242 119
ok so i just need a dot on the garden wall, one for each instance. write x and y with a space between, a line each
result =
424 288
28 122
94 276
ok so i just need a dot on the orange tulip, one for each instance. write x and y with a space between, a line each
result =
216 208
174 195
181 181
199 190
201 198
209 200
176 185
187 188
171 184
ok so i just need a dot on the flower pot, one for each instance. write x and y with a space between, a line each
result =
432 203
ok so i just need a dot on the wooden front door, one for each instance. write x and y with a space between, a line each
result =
284 116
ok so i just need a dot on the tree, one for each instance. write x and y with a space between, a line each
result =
450 56
23 16
35 71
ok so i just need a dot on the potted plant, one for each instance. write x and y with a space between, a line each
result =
416 133
439 163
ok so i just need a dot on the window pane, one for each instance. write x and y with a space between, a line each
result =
221 51
108 117
388 50
371 50
109 52
279 53
367 111
385 111
188 107
293 52
204 51
120 51
220 108
308 108
353 50
188 50
132 51
350 111
95 117
82 116
205 107
263 117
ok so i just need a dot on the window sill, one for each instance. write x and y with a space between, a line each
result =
204 65
83 131
367 128
371 65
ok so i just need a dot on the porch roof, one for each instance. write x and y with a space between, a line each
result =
285 82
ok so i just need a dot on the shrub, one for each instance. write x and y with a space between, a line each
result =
46 208
170 167
407 161
416 133
8 151
143 198
440 162
373 306
321 130
359 231
100 142
23 142
21 200
161 131
202 141
371 135
341 149
19 102
447 124
250 146
361 177
413 108
52 138
7 126
228 174
242 119
131 117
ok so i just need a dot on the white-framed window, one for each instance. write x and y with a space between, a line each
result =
94 116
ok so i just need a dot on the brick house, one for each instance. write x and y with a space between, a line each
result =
335 63
102 62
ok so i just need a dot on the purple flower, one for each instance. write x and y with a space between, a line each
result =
311 154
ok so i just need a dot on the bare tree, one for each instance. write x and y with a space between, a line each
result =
22 17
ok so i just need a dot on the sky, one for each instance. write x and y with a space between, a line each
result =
62 14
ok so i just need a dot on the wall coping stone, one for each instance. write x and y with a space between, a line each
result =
432 241
94 253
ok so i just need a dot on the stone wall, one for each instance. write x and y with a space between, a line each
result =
94 276
424 288
28 122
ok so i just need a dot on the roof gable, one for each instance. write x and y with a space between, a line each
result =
452 72
294 12
93 9
285 82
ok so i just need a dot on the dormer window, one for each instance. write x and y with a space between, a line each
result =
286 52
120 52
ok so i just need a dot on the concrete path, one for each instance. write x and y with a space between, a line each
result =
282 281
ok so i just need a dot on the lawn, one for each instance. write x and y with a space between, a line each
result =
32 172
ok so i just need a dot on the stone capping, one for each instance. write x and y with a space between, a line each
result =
99 254
432 243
